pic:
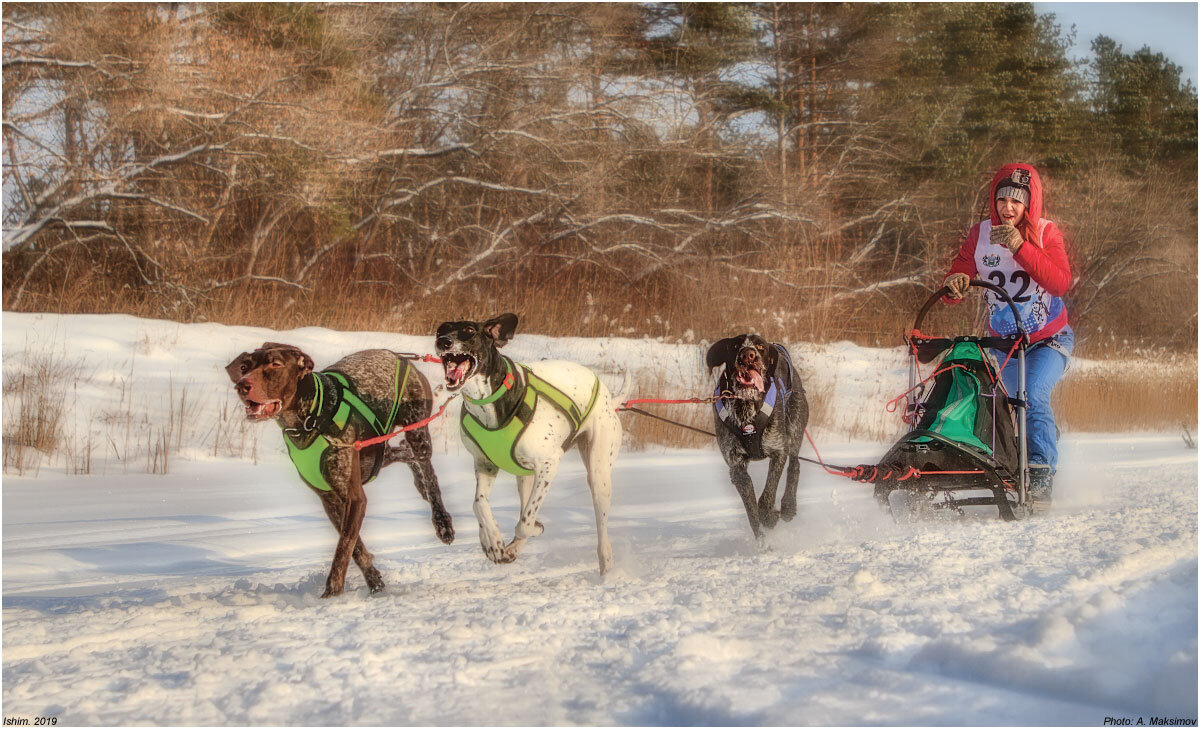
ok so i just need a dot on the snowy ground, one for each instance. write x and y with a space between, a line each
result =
191 597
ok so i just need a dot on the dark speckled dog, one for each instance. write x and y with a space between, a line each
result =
323 413
762 413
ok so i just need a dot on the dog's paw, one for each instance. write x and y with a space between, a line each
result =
374 580
334 585
508 555
768 518
495 552
788 512
443 526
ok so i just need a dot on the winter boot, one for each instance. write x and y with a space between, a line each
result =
1041 486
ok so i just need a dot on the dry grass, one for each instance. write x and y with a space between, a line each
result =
1135 399
45 426
691 302
230 434
35 397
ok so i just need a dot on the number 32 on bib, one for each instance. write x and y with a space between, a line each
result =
996 264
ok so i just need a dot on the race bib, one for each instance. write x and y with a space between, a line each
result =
996 265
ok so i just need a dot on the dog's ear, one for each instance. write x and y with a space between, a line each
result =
722 351
234 368
306 363
501 328
771 358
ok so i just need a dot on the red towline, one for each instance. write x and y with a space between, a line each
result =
360 444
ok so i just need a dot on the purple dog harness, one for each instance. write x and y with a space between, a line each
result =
777 395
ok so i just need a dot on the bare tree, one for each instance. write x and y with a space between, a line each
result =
299 163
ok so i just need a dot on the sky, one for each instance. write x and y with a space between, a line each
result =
1169 28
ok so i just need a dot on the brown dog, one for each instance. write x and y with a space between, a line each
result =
323 413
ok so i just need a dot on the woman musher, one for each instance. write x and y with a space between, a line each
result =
1024 254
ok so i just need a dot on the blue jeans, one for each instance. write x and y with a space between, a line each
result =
1044 365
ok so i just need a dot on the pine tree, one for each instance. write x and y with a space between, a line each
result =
1141 102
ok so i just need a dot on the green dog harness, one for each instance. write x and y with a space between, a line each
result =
334 404
499 444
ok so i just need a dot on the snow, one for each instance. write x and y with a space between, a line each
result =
192 597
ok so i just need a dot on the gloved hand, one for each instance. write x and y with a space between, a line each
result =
1008 236
958 284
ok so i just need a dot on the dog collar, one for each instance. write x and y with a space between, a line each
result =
509 381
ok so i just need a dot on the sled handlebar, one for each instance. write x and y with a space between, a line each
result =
943 291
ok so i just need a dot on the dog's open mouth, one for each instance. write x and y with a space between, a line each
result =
750 378
458 368
262 410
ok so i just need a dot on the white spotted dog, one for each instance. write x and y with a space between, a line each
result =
523 418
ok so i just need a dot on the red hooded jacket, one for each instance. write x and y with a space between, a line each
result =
1043 257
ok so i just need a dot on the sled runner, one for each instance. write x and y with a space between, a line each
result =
966 443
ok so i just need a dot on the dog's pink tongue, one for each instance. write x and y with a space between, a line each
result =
753 378
458 372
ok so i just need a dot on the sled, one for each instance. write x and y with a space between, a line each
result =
966 443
